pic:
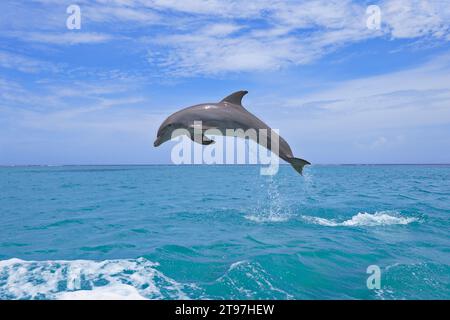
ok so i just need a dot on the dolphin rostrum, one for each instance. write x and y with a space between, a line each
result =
227 114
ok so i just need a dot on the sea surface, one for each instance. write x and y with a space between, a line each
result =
224 232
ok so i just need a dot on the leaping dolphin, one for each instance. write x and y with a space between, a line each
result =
227 114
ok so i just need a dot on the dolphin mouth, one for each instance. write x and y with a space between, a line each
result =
157 142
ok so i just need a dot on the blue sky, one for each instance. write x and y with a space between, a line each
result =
337 91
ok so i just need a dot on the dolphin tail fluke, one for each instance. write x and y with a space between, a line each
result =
298 164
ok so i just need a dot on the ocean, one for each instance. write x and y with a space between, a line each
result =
224 232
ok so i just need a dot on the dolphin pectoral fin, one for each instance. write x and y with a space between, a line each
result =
198 134
207 141
298 164
202 139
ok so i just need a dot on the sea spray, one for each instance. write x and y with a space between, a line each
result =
271 207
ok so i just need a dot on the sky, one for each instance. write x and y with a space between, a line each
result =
337 90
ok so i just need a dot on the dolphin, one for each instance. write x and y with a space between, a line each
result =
226 114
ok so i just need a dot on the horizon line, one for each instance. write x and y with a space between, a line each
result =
224 164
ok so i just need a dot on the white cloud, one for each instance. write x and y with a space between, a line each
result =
68 97
221 29
292 33
416 18
273 45
25 64
64 38
230 8
394 110
218 36
106 12
85 121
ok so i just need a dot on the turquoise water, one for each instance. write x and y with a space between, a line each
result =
224 232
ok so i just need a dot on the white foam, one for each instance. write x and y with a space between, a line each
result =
271 217
381 218
109 292
86 279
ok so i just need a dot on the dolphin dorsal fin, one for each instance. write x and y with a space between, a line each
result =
235 98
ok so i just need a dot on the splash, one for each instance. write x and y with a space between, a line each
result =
382 218
272 209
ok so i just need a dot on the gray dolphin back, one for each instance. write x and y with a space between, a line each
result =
297 163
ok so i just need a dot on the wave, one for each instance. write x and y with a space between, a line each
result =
249 280
381 218
122 279
410 280
85 279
